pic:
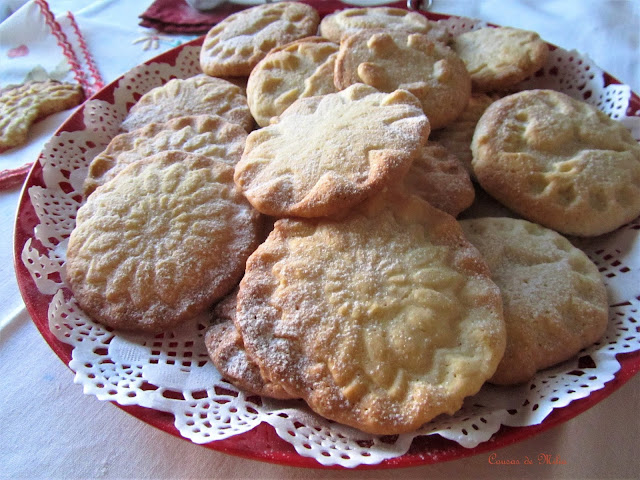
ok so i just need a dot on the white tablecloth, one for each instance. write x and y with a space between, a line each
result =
44 435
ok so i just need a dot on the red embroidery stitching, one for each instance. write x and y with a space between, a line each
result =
63 43
95 74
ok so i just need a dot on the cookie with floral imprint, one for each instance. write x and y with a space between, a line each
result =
161 242
554 298
197 95
381 320
236 45
208 135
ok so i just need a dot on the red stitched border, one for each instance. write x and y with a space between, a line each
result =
98 83
63 43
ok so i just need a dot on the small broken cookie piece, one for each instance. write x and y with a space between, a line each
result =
226 350
22 105
159 243
235 45
380 320
327 153
197 95
554 299
389 60
499 58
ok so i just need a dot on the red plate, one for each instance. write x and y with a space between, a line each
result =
262 442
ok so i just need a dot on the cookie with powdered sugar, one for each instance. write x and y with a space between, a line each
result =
438 177
236 44
380 320
327 153
499 58
559 162
303 68
197 95
389 60
226 350
351 20
160 243
208 135
555 302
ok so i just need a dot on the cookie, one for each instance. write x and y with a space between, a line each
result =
197 95
380 320
559 162
456 137
236 44
351 20
438 177
498 58
326 154
303 68
226 350
390 60
555 302
23 105
208 135
161 242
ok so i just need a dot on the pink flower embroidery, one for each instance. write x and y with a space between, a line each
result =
19 51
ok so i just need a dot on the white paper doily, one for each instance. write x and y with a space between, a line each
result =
172 373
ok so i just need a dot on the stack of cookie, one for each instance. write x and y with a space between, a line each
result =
314 213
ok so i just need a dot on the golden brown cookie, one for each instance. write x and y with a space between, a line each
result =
381 320
197 95
226 350
438 177
498 58
22 105
235 45
303 68
555 302
389 60
559 162
326 154
160 242
208 135
351 20
456 137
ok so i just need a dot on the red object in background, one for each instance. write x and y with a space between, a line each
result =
176 16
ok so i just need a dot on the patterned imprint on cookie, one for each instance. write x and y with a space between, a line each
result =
325 154
161 242
236 45
380 320
555 302
198 95
22 105
208 135
388 60
559 162
303 68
